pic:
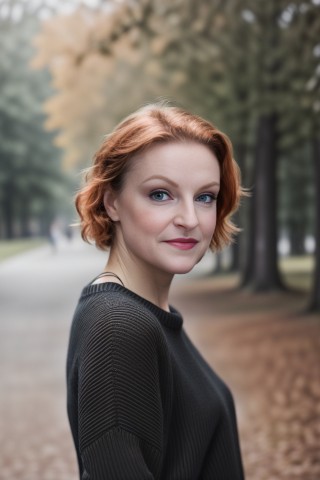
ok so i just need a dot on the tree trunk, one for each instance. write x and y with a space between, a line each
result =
218 263
8 210
262 272
297 237
238 217
315 295
247 267
235 251
25 218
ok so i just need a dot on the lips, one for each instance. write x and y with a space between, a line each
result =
182 243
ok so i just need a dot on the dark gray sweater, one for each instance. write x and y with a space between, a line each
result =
142 402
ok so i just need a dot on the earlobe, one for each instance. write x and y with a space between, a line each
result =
110 204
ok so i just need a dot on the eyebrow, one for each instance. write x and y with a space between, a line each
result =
168 180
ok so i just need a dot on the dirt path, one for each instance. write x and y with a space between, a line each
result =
37 296
267 354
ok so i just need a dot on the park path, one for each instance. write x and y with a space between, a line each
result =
262 345
38 293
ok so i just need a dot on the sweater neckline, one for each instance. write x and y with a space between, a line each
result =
172 319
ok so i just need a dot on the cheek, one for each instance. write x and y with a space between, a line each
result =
209 223
148 221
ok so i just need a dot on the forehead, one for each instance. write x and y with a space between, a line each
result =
175 160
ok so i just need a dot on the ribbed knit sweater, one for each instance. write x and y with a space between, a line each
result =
142 402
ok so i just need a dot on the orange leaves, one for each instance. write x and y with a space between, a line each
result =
106 62
62 38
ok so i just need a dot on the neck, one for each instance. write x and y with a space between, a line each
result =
141 279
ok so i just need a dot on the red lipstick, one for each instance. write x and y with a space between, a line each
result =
182 243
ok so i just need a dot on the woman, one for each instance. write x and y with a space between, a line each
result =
142 402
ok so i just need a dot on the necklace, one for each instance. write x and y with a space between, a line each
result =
108 274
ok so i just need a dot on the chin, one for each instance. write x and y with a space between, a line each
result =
180 270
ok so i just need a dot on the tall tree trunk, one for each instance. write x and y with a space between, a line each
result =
218 263
262 273
315 295
247 267
8 209
238 217
297 236
25 218
235 249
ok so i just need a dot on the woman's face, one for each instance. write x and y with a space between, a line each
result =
165 214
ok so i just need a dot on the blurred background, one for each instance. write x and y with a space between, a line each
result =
69 71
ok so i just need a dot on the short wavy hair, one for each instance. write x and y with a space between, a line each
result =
152 124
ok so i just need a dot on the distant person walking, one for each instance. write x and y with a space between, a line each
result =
53 236
142 401
68 232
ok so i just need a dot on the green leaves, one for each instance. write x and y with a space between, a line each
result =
30 169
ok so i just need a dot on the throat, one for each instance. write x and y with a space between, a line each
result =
150 284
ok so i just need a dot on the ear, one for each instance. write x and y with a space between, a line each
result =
110 204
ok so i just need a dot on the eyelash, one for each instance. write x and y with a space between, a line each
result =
152 195
157 192
212 197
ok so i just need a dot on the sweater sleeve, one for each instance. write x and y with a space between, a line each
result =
119 400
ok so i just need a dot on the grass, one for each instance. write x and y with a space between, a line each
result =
9 248
297 271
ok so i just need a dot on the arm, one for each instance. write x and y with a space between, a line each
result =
120 410
119 455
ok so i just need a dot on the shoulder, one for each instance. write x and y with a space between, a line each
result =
113 316
113 306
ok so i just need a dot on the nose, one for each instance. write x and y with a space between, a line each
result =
186 215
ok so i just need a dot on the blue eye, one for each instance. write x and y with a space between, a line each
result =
206 198
159 196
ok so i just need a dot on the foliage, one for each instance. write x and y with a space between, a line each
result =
248 66
14 247
31 181
118 58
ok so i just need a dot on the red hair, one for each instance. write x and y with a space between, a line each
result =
155 123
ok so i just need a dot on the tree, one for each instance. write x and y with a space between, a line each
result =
229 61
304 17
138 52
30 176
312 54
314 304
272 89
261 272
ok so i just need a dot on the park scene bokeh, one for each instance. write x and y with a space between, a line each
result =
69 72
